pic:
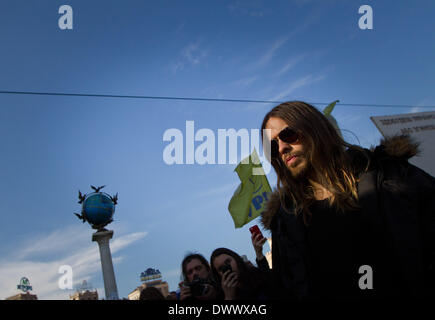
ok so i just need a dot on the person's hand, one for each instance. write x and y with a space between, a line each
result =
184 291
229 283
210 294
258 242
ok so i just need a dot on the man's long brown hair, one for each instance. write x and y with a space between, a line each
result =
328 163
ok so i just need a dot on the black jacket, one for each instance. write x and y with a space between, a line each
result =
397 228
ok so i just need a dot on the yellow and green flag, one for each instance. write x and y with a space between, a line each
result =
251 195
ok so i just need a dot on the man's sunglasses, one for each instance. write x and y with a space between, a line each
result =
286 135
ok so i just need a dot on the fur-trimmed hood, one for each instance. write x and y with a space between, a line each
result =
403 147
399 147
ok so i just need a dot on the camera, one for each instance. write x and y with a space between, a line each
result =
225 268
198 287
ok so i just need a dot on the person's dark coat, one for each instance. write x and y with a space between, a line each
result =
397 228
258 285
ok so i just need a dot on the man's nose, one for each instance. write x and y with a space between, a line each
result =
283 147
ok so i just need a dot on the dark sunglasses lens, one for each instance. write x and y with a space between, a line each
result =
274 149
288 135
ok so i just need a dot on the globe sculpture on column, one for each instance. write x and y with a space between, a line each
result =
98 209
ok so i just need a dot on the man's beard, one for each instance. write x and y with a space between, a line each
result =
301 171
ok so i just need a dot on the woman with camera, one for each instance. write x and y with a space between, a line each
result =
238 280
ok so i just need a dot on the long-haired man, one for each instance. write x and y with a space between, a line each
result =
346 222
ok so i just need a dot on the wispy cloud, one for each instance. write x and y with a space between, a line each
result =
290 64
416 110
172 273
420 104
299 83
40 261
245 82
246 8
216 191
264 60
270 53
191 54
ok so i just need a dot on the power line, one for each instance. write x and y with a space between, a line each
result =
199 99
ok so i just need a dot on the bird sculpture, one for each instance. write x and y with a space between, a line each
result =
97 189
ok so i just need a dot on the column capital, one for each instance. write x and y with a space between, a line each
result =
102 235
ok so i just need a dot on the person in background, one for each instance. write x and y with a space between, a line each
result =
237 280
198 283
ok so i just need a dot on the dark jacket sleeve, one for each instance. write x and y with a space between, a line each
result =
263 264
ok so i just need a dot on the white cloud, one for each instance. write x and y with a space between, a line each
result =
290 64
245 81
270 53
249 8
71 246
52 243
416 109
192 54
283 95
221 190
420 106
299 83
172 273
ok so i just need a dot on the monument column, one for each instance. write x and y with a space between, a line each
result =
102 238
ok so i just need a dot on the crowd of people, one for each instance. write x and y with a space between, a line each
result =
337 209
227 276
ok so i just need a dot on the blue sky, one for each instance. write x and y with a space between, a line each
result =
53 146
